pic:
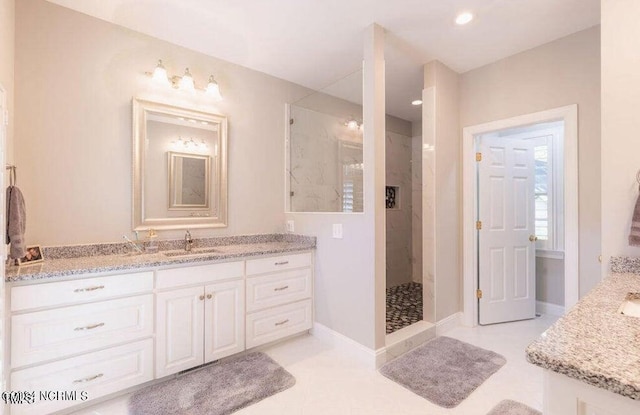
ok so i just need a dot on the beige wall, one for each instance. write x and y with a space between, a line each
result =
448 167
75 79
563 72
620 124
550 280
350 274
7 42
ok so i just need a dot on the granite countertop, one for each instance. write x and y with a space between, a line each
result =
593 343
96 258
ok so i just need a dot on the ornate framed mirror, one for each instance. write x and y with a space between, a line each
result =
179 167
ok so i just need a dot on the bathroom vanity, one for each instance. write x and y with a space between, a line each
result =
591 356
106 323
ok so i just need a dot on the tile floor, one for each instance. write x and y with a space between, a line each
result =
404 305
329 383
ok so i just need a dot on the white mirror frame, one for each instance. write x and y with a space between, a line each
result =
219 201
173 187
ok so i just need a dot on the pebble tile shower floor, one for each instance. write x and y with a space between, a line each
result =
404 305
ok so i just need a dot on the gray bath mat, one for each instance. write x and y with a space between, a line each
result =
445 371
219 389
509 407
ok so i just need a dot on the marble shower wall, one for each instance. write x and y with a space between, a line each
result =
324 156
399 221
416 208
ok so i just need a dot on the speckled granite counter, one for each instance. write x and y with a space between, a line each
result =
87 259
593 343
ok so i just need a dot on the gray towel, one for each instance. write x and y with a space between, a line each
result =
16 220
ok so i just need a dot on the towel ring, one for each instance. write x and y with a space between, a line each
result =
13 177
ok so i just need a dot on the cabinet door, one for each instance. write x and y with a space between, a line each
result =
180 325
224 319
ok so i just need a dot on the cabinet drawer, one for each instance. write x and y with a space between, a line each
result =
53 334
276 323
200 274
278 263
80 290
97 374
277 289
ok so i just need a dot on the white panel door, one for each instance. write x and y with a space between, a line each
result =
506 240
179 330
224 320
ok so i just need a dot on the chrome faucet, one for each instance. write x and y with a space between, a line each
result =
188 241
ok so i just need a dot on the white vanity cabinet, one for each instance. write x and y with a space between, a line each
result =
567 396
102 334
202 322
88 334
279 292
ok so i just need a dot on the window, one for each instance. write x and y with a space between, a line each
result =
548 191
542 191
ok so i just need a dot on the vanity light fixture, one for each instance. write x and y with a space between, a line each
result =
213 89
190 143
353 124
464 18
159 75
184 82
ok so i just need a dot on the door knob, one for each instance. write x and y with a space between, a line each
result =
533 238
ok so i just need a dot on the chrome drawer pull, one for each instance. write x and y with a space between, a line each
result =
281 288
282 322
281 263
80 290
93 326
89 379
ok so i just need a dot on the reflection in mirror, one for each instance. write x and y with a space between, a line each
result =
180 177
324 149
188 181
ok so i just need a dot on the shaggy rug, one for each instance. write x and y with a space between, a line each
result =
509 407
445 371
218 389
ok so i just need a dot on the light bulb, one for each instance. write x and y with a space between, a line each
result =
186 82
352 124
159 75
464 18
213 89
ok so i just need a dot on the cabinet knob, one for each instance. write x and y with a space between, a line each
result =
202 297
209 296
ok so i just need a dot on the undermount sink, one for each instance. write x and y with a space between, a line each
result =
631 305
193 252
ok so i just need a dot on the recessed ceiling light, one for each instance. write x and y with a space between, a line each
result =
416 102
464 18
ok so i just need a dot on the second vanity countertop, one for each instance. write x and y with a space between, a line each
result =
593 342
96 260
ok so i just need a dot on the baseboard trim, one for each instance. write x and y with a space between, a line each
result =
371 358
548 308
448 323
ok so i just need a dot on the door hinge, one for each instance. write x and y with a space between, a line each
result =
479 294
479 225
291 121
478 156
